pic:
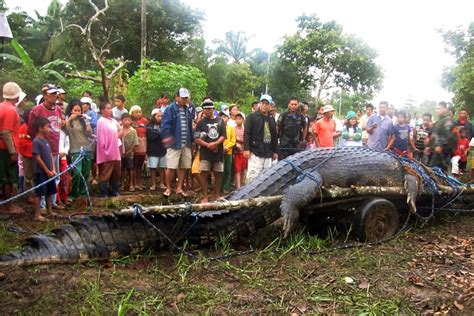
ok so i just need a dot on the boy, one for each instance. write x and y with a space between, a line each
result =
459 160
119 107
400 140
130 141
422 137
240 162
211 134
43 167
229 144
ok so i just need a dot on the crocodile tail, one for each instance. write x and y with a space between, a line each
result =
83 239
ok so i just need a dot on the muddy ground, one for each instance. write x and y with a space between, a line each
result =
427 270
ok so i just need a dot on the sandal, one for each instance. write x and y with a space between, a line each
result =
152 188
132 189
167 194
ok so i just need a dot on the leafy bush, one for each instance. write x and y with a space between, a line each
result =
154 78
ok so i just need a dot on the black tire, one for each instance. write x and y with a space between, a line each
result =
376 219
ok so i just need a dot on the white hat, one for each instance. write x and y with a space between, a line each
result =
21 97
134 108
155 110
86 100
11 90
328 108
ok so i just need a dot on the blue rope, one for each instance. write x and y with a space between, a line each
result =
73 165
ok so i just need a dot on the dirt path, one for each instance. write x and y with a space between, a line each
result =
427 270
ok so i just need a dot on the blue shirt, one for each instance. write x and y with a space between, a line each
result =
41 147
402 136
171 125
378 140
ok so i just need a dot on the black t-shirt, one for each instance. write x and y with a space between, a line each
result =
210 130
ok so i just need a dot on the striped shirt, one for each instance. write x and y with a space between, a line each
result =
184 127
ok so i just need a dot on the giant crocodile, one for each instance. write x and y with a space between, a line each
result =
299 178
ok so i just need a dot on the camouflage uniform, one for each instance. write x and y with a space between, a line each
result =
444 137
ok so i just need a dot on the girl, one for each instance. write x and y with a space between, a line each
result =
139 123
351 133
79 131
233 110
156 151
26 155
109 132
239 161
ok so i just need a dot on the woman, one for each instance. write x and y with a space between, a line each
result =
108 158
351 133
233 110
139 123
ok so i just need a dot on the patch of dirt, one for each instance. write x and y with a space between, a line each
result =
428 270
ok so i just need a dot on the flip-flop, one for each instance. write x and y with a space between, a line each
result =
166 194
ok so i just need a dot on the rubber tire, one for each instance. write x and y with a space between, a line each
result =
376 219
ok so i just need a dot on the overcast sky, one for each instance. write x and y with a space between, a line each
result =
411 52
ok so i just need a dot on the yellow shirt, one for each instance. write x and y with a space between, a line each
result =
230 141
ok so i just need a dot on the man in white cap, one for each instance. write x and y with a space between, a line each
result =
325 129
260 139
177 133
9 143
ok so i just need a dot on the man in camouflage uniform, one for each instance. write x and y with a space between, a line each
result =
443 140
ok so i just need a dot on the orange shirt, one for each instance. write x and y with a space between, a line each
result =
324 130
10 121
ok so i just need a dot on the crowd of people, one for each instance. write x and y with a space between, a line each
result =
181 144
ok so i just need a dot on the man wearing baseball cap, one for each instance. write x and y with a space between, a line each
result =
177 133
211 135
260 139
9 143
325 129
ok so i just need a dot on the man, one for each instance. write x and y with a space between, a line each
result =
324 130
9 143
304 110
260 139
61 100
379 128
53 114
369 110
177 133
443 140
292 129
463 120
212 133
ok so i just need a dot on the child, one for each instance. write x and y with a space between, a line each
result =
130 142
119 108
459 160
26 145
421 136
156 151
229 144
43 167
239 161
63 186
139 123
109 132
351 133
79 130
310 142
400 139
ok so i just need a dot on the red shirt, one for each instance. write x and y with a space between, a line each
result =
463 144
54 117
10 121
26 143
324 129
140 126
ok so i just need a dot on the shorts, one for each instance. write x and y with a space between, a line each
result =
138 161
206 165
155 162
127 163
8 168
181 158
47 189
240 162
256 165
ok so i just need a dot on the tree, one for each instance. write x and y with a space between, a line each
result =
98 52
234 47
154 78
460 78
324 58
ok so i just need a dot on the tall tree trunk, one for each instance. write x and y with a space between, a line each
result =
143 37
105 84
